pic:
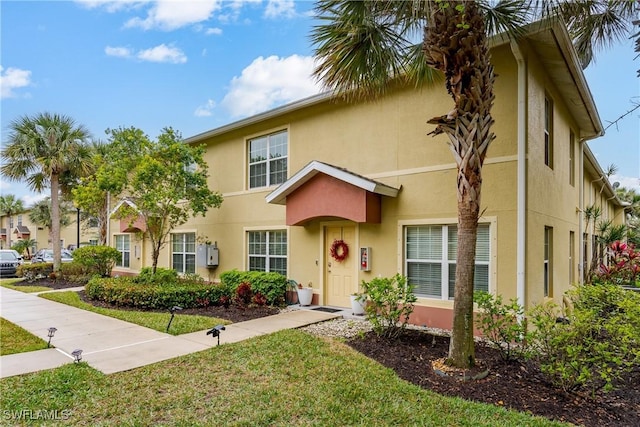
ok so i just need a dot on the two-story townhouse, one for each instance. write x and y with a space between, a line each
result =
298 178
22 228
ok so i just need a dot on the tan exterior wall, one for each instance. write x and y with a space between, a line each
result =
387 141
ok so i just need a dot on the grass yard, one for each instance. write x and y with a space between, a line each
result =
14 339
9 283
182 324
282 379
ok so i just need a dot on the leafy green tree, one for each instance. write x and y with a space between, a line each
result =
10 206
40 214
46 150
24 245
632 198
364 46
166 185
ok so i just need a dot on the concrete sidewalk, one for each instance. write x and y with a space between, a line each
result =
111 345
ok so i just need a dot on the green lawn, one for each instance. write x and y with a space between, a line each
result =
282 379
14 339
182 323
9 283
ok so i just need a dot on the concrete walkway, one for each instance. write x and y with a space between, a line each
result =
111 345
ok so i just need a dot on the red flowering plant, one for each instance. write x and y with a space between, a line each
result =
621 266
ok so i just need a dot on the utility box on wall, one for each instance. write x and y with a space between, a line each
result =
213 256
365 259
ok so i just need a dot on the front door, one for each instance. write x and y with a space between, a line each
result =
341 275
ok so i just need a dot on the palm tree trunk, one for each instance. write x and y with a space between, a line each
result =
455 43
55 222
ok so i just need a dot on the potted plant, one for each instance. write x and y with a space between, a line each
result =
358 303
305 294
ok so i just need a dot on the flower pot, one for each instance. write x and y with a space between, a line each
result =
357 304
305 295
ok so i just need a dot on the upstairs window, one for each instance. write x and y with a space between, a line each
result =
548 132
572 159
268 160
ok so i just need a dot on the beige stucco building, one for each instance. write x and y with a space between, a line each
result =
297 178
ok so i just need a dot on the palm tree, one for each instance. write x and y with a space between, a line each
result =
25 245
363 46
41 214
10 206
41 150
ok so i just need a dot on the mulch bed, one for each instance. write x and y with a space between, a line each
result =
517 386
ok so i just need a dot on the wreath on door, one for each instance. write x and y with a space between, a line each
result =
339 250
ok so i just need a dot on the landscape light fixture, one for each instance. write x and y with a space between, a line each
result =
77 355
51 333
215 332
172 310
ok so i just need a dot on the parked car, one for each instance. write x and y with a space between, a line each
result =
17 255
46 255
9 263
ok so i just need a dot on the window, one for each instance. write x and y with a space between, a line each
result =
548 261
572 159
93 242
19 220
10 223
572 256
183 252
430 263
548 132
268 160
268 251
123 244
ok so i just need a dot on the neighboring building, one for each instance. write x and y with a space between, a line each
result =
22 228
299 177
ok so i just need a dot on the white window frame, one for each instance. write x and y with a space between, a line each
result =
184 242
124 261
548 263
270 239
548 131
268 162
445 260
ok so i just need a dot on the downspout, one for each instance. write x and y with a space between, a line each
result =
521 213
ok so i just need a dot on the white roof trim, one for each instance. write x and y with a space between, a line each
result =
279 195
122 202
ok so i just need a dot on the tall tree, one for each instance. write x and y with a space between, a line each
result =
10 206
166 185
41 150
363 46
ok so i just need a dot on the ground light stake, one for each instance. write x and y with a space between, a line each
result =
172 310
51 333
215 332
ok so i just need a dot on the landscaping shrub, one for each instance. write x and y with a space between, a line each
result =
160 277
32 272
599 343
621 267
125 291
75 272
390 302
97 259
270 285
244 294
502 325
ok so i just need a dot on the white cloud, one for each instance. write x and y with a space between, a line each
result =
626 182
112 6
205 110
214 31
169 15
163 53
268 82
280 8
12 79
120 52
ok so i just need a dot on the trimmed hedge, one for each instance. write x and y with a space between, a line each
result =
33 271
271 285
124 291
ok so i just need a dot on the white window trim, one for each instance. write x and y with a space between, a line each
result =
245 239
247 144
493 241
170 261
115 245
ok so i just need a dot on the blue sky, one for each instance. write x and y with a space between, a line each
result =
199 65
